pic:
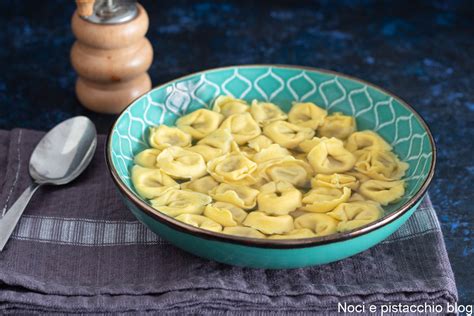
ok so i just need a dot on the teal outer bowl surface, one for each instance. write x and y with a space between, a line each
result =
373 107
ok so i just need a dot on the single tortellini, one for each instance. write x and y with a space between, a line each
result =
200 221
271 153
381 165
307 115
322 199
335 180
162 137
295 234
151 183
227 106
225 214
260 142
287 134
177 202
243 232
214 145
337 125
233 168
320 224
358 142
278 198
288 169
355 214
238 195
265 112
242 127
200 123
384 192
269 224
330 156
180 163
147 158
202 185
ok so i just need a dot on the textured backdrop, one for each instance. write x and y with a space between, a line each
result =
422 51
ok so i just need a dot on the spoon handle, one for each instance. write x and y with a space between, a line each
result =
11 217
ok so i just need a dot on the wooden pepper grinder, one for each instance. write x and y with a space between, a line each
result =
111 54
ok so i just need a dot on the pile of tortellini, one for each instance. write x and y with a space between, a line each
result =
256 171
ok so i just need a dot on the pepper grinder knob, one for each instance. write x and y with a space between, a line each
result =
111 55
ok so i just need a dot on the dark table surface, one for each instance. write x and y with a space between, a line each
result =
422 51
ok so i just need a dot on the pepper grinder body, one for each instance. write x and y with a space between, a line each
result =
111 61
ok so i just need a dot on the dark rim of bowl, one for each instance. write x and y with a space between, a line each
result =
272 243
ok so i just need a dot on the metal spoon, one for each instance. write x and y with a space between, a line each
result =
60 156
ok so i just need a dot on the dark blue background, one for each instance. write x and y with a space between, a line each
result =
422 51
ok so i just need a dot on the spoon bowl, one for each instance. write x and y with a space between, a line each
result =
60 157
64 152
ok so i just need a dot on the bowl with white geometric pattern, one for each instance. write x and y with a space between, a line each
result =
374 109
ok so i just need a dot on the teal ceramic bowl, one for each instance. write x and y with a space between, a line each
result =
373 107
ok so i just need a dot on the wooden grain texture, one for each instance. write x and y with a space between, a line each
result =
111 62
85 7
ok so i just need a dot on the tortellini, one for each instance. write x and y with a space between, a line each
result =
366 140
228 106
308 144
177 202
225 214
163 136
147 158
242 127
273 153
258 172
384 192
356 197
287 134
264 112
233 168
201 185
322 200
269 224
260 142
320 224
214 145
298 213
337 125
151 183
330 156
358 175
181 163
381 165
307 115
289 169
243 232
295 234
335 180
278 198
239 195
355 214
199 221
200 123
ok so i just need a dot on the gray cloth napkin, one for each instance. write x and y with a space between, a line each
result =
78 249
